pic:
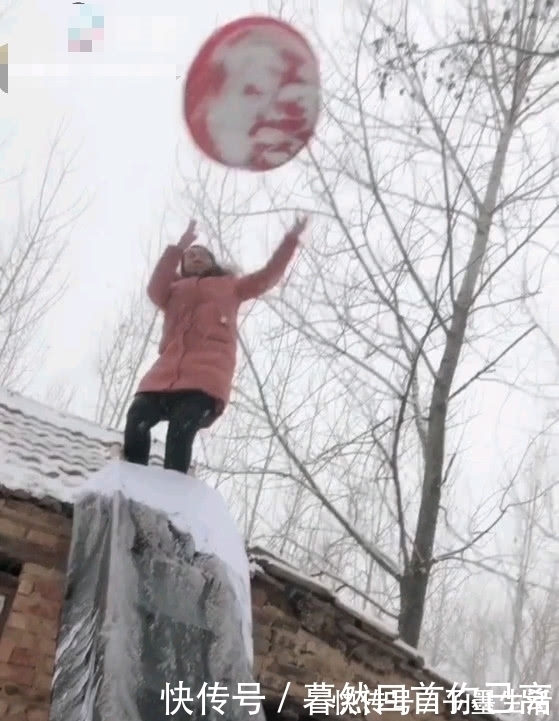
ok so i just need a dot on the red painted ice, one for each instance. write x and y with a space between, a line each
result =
252 94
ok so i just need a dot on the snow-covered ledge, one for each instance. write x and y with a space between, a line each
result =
158 595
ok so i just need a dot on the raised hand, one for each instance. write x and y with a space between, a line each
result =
299 226
188 237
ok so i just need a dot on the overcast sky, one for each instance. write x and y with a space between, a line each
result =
127 125
122 108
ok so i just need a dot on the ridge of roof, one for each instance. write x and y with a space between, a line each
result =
62 420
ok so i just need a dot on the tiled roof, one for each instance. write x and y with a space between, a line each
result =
49 453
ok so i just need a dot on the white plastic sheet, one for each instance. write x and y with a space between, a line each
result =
157 617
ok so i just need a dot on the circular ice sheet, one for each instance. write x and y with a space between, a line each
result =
252 94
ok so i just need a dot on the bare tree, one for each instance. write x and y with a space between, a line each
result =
60 396
128 347
121 357
429 184
510 631
34 237
5 9
430 187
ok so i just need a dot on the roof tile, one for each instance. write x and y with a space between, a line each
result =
50 453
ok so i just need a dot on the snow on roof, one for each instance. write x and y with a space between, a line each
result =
264 561
48 453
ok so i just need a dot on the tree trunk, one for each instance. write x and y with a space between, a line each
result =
415 580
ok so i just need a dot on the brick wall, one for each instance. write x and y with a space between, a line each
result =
298 637
286 651
39 540
303 639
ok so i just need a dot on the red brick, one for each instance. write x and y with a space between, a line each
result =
47 646
8 511
38 714
49 630
259 596
3 708
29 511
46 664
20 675
42 538
21 638
17 620
35 605
34 570
22 603
18 716
50 590
25 587
42 682
63 548
271 682
19 703
6 648
267 614
11 528
12 690
46 628
24 657
50 610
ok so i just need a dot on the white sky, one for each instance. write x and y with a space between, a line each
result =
128 128
122 108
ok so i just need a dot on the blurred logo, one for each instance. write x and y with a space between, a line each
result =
86 28
4 68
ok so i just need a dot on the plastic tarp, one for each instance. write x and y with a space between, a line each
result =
157 616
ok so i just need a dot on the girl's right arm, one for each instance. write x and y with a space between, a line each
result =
165 273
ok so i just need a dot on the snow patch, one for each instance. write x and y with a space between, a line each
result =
58 419
17 478
49 454
408 650
372 623
263 561
276 567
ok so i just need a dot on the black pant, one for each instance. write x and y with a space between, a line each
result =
183 409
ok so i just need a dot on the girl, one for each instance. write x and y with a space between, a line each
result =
190 383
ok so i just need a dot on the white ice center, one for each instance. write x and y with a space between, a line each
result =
256 62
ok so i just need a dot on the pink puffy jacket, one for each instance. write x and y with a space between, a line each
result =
198 348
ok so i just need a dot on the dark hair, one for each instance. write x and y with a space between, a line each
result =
216 270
